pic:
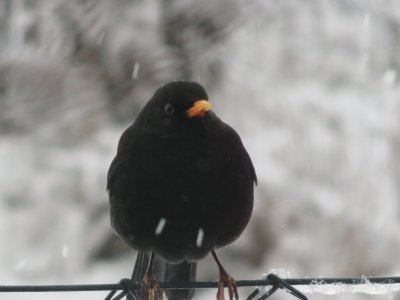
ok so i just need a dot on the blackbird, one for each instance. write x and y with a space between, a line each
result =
180 186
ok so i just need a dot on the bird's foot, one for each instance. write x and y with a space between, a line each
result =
226 280
149 286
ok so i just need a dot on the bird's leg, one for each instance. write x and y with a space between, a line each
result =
149 283
225 279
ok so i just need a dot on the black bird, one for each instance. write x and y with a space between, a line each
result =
180 186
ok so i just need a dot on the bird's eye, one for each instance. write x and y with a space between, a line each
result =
169 109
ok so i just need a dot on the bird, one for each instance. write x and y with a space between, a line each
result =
180 186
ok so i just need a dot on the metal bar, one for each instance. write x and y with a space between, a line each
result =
196 285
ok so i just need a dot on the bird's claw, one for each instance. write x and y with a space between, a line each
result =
226 280
149 285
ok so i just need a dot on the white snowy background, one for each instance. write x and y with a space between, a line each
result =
311 86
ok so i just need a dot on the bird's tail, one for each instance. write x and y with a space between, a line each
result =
165 272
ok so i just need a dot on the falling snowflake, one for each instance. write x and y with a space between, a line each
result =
200 236
160 226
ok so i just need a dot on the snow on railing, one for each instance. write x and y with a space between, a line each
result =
265 287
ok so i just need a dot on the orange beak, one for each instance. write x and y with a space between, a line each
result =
199 108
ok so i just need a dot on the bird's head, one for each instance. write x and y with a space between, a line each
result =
177 109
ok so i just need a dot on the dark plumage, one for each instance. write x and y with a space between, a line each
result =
181 184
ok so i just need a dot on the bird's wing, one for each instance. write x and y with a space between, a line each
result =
111 175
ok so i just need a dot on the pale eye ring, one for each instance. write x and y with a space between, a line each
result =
169 109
